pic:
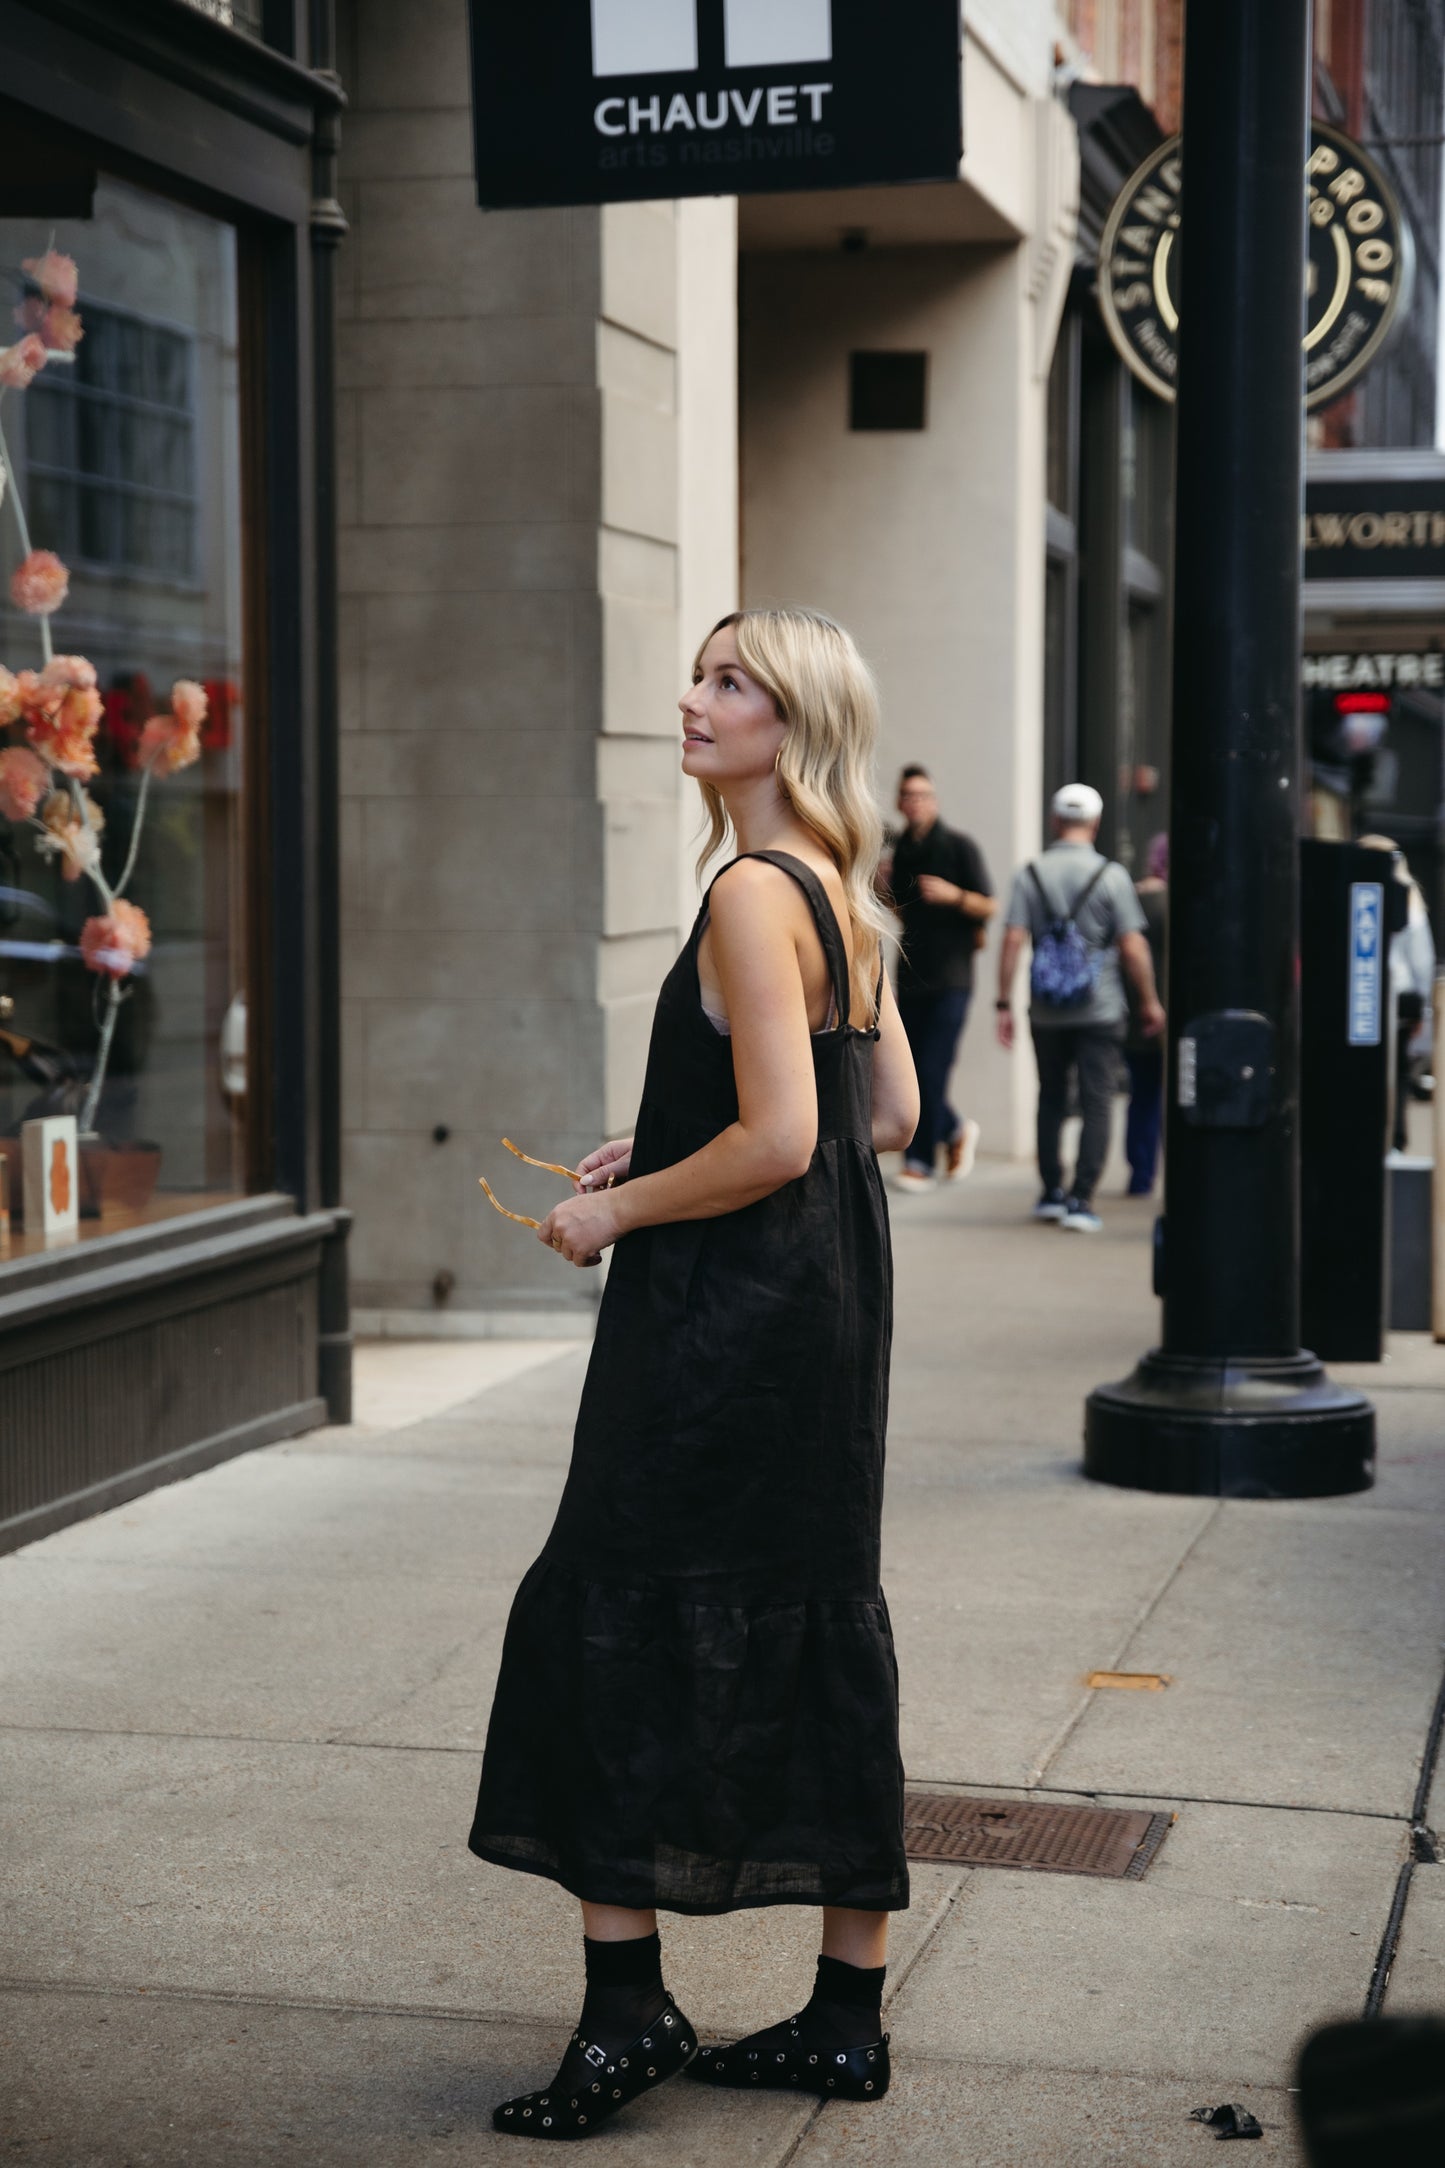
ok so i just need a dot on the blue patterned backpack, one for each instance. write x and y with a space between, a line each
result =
1065 970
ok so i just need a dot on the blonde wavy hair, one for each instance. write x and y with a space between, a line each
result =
825 694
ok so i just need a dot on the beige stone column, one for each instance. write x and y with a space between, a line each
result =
511 428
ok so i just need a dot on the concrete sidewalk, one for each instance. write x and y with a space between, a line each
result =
242 1719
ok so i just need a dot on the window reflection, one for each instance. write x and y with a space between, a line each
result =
128 460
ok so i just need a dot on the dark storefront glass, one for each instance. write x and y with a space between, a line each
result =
128 460
247 15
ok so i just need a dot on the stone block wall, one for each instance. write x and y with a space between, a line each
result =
510 440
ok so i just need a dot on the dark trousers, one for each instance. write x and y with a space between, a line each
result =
1409 1010
1093 1051
934 1024
1146 1115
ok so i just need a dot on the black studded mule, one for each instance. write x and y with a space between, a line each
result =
594 2084
780 2059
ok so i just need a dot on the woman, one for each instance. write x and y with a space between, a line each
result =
697 1705
1143 1053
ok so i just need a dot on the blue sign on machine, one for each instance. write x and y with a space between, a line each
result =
1367 943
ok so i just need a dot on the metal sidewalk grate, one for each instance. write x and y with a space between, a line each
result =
1115 1842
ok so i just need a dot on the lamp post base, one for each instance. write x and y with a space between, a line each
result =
1242 1427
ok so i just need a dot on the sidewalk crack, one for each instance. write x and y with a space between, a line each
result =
1146 1611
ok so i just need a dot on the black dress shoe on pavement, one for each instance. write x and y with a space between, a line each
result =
780 2059
593 2084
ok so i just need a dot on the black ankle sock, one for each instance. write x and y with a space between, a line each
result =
846 2006
624 1990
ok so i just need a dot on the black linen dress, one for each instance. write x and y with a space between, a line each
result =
698 1699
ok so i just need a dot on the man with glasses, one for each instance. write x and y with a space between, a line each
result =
939 886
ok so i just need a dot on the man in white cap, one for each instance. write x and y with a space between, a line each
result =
1084 919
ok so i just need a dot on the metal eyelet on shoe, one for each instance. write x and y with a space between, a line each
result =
509 2111
812 2058
686 2049
842 2058
782 2058
546 2122
667 2021
652 2073
867 2085
831 2083
617 2092
870 2055
623 2064
647 2043
526 2111
580 2121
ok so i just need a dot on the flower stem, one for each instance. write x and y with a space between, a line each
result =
139 822
23 527
102 1058
93 872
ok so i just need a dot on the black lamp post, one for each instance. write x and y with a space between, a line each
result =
1230 1404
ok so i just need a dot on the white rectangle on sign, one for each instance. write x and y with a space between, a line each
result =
772 33
643 37
1188 1072
1367 951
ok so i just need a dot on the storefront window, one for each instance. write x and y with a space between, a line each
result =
125 458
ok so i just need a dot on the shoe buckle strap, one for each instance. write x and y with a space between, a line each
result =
595 2056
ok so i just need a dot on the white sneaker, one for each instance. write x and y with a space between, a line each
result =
912 1178
1082 1218
1051 1206
962 1151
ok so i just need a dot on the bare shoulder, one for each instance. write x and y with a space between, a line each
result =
751 894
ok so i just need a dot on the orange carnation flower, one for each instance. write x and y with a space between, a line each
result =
62 707
24 778
114 945
39 583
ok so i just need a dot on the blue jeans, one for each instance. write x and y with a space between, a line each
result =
934 1024
1146 1111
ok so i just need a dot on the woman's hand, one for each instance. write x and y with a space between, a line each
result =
582 1227
610 1161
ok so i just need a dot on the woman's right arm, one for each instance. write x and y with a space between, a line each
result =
895 1081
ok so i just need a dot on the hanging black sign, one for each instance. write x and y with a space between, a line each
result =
1358 269
1388 528
603 101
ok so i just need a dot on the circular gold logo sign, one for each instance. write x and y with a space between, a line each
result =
1358 270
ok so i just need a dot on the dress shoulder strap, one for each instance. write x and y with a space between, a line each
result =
829 932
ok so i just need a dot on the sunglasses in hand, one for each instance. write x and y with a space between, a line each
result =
548 1166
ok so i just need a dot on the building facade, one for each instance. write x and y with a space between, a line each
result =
570 441
173 451
1374 557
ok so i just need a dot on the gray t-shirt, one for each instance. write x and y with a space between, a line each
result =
1113 908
